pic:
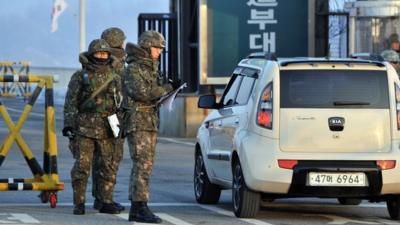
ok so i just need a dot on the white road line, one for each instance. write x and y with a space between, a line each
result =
176 141
24 218
230 214
313 205
176 204
172 219
163 216
161 204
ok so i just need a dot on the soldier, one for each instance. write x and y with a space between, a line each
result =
93 94
143 87
115 37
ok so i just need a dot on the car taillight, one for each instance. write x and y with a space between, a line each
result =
386 164
287 163
397 92
264 112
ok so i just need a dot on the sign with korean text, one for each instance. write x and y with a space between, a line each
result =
232 29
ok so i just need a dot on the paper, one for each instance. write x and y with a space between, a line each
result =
114 124
168 100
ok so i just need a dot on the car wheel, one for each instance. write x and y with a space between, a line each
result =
349 201
204 190
393 206
246 203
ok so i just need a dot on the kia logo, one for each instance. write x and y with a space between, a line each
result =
336 121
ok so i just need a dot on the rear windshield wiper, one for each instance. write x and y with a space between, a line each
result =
350 103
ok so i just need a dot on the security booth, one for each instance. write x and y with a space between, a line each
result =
213 36
372 24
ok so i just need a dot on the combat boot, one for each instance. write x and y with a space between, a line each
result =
98 204
109 208
79 209
139 212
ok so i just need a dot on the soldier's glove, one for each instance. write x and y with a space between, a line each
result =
68 132
175 83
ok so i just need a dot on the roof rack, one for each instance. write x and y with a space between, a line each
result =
263 55
338 61
367 56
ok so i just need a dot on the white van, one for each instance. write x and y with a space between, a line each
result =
299 127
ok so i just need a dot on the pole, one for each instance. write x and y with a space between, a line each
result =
82 28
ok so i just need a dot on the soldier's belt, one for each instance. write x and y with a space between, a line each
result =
145 108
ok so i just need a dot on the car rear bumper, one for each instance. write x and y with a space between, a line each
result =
300 187
259 158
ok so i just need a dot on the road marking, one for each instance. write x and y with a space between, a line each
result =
163 216
18 218
161 204
313 205
230 214
176 141
339 220
172 219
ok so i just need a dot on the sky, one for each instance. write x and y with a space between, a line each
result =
26 36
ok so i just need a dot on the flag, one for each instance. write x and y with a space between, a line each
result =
59 7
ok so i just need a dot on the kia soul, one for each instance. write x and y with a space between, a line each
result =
301 127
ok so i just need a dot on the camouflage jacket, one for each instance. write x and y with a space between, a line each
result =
90 119
143 88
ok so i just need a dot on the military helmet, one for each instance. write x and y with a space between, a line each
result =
151 39
390 56
98 45
114 36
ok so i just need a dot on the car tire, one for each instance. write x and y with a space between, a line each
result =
393 206
349 201
204 190
246 203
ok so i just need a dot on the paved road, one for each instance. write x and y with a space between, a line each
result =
171 190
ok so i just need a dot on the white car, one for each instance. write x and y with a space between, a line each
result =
301 127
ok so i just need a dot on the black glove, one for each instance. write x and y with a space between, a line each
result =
175 83
68 132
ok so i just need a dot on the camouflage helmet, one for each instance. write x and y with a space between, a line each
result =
114 36
151 39
98 45
390 56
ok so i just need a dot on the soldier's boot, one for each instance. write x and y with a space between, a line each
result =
79 209
139 212
109 208
98 204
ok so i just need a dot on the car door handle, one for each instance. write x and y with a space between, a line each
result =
237 121
219 123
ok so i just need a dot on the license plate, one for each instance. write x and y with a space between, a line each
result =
337 179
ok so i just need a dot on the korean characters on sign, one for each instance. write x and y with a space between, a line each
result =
262 13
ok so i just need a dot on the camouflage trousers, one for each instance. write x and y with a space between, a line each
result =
83 150
118 154
142 147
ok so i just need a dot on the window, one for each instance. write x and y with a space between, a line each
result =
231 91
334 89
245 90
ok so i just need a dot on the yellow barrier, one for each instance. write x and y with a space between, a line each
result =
15 88
46 179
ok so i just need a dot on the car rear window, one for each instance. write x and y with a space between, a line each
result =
334 89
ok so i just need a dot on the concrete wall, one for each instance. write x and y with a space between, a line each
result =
184 120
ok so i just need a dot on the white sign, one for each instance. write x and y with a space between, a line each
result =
262 13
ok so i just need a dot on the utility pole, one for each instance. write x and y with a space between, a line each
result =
82 25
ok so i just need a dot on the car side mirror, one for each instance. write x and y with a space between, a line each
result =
207 102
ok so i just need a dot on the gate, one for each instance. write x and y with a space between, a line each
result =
166 24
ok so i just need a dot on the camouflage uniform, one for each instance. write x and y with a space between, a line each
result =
115 37
144 88
87 118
